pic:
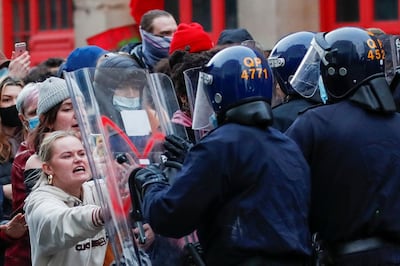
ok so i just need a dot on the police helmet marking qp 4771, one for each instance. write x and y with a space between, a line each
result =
236 75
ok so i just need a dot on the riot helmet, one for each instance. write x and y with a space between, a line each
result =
234 76
345 58
286 57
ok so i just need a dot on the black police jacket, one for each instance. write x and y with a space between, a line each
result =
354 156
285 113
244 189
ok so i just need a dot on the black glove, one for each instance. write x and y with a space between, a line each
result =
176 148
147 176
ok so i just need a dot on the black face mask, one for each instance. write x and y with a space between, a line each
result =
9 116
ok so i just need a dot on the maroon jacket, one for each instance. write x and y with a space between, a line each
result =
18 251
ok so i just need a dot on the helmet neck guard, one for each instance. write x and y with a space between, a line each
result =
255 113
375 95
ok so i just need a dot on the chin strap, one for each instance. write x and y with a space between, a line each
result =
375 96
257 113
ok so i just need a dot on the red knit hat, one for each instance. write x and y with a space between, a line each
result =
191 37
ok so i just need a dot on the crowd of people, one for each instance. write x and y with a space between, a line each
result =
291 155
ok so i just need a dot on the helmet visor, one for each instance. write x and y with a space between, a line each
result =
203 110
305 79
191 76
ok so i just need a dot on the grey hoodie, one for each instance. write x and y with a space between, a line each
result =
63 229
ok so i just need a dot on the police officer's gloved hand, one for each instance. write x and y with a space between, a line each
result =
145 177
176 148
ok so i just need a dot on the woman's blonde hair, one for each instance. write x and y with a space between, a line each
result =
46 150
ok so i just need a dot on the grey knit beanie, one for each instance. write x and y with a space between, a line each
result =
52 91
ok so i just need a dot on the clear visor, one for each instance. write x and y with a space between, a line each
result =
305 79
191 80
391 43
203 110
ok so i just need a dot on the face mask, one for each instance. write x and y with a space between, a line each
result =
9 116
322 91
154 48
124 103
213 121
33 122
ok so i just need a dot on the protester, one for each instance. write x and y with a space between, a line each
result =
10 231
352 146
156 30
245 186
66 223
10 134
4 63
190 37
81 57
234 36
55 112
179 62
10 138
19 65
47 68
18 251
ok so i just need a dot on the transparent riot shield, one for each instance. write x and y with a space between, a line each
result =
124 115
191 82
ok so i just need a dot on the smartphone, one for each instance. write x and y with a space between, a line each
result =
20 48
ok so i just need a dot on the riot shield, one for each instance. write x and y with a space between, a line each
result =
191 82
123 115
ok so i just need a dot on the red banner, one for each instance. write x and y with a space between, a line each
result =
139 7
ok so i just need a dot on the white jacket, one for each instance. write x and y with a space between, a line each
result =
63 230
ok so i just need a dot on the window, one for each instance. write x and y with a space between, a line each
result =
383 14
173 8
45 25
386 9
21 22
347 11
201 13
230 14
214 16
55 14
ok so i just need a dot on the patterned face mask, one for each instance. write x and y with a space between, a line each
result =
154 47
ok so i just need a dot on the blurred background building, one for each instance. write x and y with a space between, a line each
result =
52 28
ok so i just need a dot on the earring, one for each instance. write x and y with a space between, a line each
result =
50 179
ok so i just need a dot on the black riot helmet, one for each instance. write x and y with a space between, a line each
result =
345 58
286 57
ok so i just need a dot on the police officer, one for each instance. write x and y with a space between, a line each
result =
245 186
284 59
353 149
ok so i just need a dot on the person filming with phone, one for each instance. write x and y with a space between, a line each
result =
18 66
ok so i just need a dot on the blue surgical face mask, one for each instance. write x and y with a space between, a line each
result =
322 91
33 122
213 121
125 103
